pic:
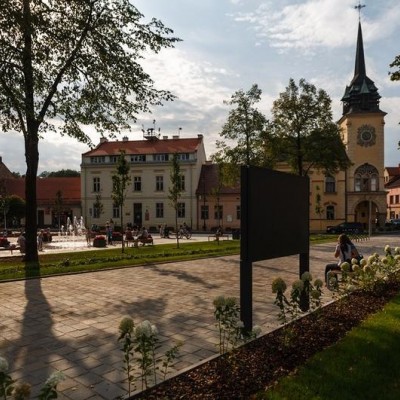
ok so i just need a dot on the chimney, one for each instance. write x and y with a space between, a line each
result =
103 140
125 139
165 137
175 136
200 136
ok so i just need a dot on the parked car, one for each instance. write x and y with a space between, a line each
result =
395 222
346 227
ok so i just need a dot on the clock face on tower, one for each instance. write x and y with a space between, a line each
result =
366 135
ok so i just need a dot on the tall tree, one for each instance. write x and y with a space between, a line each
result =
69 63
304 134
175 190
247 128
121 181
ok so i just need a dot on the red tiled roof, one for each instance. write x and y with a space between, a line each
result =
393 171
155 146
46 189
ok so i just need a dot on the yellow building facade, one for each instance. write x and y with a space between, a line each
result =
357 194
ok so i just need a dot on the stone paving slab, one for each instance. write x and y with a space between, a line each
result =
70 323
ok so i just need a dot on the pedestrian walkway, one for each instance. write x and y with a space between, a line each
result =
70 323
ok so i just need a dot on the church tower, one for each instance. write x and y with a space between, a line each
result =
362 125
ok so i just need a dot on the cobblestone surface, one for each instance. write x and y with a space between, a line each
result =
70 323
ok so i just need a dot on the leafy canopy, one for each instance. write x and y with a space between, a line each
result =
303 131
245 128
68 63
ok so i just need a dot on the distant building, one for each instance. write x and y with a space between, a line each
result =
48 213
357 194
147 202
392 185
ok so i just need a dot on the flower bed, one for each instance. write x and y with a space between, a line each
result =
99 241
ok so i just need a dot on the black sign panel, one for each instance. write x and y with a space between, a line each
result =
274 214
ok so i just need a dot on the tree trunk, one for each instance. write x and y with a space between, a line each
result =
122 230
32 162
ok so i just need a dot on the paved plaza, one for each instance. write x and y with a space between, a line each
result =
70 323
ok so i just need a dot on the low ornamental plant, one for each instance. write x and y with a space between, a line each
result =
291 308
230 327
9 389
371 275
139 345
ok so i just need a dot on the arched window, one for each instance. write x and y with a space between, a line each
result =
330 184
366 179
330 212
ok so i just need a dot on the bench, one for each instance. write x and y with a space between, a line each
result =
11 248
224 236
144 241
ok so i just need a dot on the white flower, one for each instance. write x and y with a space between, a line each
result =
256 330
351 288
54 379
143 329
154 330
239 324
354 261
298 285
306 276
363 262
397 250
388 249
3 365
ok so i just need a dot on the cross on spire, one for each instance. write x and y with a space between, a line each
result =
358 7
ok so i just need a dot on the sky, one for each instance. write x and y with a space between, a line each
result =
228 45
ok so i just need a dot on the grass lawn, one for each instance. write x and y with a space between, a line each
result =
78 261
364 365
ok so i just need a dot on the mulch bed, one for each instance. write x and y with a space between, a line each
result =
259 364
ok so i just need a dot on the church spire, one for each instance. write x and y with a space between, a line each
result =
361 95
359 69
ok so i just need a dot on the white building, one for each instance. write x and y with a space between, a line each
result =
147 202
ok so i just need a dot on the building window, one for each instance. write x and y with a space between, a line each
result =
98 160
181 210
366 179
114 159
160 157
159 210
237 212
396 199
159 183
138 158
137 183
204 212
116 213
181 183
330 184
183 156
96 184
96 211
391 199
218 212
330 212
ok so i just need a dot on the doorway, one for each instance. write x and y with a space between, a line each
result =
137 214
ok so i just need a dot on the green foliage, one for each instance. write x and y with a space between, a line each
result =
291 308
175 189
303 132
62 173
142 341
230 327
395 75
121 180
69 64
247 127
